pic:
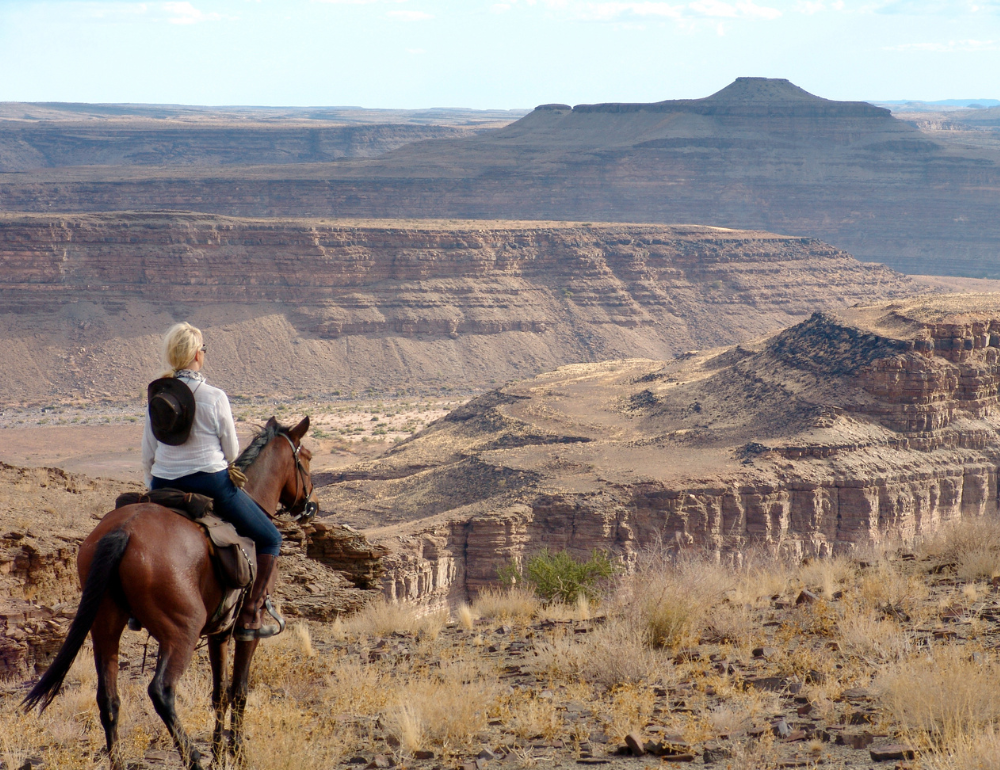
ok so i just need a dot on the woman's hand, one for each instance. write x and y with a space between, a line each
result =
237 476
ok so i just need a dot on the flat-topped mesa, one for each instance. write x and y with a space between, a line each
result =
749 97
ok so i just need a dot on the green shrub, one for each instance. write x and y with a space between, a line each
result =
558 577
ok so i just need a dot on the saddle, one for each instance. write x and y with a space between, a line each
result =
233 556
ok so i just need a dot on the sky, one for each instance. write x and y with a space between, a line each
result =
483 54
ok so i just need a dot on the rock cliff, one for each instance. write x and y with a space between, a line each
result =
869 423
296 306
759 154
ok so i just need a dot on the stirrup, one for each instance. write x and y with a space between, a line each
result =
265 632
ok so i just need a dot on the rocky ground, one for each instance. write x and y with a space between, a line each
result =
765 665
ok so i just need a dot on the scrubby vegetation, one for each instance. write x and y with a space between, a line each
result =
759 660
559 577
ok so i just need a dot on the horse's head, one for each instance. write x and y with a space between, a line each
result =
297 491
277 469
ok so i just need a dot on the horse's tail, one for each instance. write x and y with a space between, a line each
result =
103 568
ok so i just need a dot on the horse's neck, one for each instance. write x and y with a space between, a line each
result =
264 480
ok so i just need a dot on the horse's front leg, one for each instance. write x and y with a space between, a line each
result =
238 695
218 654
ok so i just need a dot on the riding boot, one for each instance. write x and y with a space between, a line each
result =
253 623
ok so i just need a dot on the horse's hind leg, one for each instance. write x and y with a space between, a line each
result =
173 659
106 633
218 654
240 689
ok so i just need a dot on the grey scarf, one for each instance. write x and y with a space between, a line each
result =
189 375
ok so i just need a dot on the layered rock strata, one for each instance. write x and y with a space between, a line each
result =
315 305
759 154
877 422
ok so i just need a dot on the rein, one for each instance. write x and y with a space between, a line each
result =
309 507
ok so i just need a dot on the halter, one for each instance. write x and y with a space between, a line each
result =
309 507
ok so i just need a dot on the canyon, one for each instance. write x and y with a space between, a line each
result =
760 154
310 306
870 423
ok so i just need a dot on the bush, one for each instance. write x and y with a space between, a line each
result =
558 577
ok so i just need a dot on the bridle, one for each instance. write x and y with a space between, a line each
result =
304 507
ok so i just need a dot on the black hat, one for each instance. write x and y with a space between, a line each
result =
171 410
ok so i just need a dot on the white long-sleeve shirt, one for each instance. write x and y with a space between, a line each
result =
210 447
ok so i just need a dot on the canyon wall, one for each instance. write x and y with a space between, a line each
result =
879 422
314 306
760 154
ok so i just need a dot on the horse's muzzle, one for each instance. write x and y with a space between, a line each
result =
308 513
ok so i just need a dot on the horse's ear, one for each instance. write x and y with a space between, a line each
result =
272 423
299 430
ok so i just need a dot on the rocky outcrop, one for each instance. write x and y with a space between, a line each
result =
877 422
294 306
30 636
346 551
760 154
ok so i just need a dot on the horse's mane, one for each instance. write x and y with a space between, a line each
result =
261 440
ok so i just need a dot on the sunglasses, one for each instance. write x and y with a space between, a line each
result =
204 348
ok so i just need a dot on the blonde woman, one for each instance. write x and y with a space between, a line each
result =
188 443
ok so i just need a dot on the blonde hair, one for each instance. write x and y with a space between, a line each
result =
180 345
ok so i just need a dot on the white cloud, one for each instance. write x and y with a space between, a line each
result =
743 9
176 12
610 11
653 9
937 7
416 51
186 13
113 11
409 15
811 6
952 46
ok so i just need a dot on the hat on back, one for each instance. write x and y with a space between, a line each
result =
171 410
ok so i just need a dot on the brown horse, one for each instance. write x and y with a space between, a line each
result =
149 563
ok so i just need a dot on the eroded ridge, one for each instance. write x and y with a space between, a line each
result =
845 429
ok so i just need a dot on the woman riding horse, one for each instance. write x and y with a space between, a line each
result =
195 452
146 562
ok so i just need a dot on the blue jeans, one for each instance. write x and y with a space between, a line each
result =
232 504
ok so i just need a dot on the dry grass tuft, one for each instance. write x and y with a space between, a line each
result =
944 698
383 617
511 604
973 544
445 708
466 618
980 751
616 653
670 601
